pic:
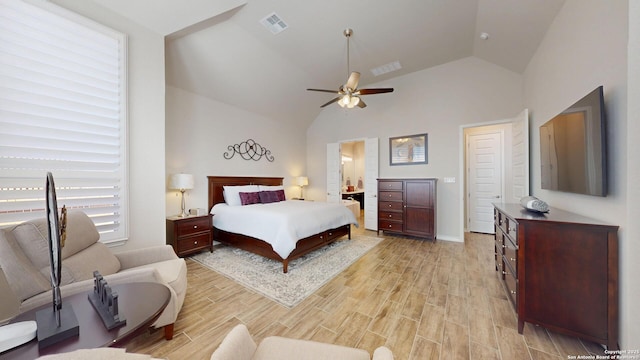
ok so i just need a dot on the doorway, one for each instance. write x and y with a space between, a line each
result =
352 173
512 181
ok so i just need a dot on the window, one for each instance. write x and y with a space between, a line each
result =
62 109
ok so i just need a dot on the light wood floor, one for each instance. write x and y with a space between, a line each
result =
422 299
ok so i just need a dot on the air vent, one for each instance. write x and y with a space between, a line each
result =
274 23
386 68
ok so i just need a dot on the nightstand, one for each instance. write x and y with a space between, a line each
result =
190 234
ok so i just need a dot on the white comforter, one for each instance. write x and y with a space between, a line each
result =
283 223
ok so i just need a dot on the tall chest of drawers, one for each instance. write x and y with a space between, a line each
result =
560 271
407 206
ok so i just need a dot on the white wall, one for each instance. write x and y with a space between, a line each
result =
198 132
575 57
434 101
146 124
630 327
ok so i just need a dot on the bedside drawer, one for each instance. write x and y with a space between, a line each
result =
194 242
390 206
385 215
390 196
193 226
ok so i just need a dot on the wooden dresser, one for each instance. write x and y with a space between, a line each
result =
407 206
560 270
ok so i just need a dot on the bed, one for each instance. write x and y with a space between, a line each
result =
255 245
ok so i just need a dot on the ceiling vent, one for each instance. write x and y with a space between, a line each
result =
386 68
274 23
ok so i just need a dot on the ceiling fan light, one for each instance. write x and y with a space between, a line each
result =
353 102
345 101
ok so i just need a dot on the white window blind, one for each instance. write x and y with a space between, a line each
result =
62 109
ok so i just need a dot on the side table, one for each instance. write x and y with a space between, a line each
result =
140 303
190 234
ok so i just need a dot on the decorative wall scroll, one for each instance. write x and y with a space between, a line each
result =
248 150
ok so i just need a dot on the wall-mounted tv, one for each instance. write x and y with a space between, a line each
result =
573 148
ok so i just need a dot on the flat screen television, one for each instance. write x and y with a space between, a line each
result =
573 148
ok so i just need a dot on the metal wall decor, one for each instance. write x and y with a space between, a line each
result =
248 150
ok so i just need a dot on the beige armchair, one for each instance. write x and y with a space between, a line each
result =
24 259
238 345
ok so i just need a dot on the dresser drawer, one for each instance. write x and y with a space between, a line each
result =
390 206
193 226
390 196
500 245
195 242
511 229
389 185
511 256
389 225
512 285
387 215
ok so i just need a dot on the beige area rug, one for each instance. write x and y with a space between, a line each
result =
306 274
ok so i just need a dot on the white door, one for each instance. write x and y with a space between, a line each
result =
519 158
484 156
333 172
371 184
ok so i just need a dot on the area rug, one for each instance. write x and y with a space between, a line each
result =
306 274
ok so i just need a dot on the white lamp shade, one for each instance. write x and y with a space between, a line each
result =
303 181
181 181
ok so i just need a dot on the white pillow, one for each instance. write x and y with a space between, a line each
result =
270 187
232 193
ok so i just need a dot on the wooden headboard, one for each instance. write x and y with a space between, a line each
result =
217 182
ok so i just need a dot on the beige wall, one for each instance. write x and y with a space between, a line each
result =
630 248
434 101
575 57
199 130
146 124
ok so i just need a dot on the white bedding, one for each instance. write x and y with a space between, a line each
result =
283 223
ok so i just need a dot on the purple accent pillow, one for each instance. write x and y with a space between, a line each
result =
271 196
248 198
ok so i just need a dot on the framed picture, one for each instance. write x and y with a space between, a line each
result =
408 150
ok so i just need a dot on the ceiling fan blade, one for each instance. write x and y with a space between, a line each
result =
323 90
374 91
354 78
331 102
361 104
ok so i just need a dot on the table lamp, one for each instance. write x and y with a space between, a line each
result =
181 182
302 181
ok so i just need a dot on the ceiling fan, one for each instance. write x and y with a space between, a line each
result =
349 94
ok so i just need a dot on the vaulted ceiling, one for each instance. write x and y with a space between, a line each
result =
220 50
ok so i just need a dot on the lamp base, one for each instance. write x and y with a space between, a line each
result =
48 331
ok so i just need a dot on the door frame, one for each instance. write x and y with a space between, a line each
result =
462 165
501 132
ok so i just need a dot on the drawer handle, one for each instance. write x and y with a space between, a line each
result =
389 215
389 205
330 234
389 225
504 246
321 236
504 273
512 259
513 292
500 222
512 229
195 226
195 243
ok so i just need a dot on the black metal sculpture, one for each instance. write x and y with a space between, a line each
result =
105 301
248 150
59 322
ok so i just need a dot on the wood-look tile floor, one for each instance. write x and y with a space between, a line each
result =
422 299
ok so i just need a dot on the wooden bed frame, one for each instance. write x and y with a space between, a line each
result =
257 246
